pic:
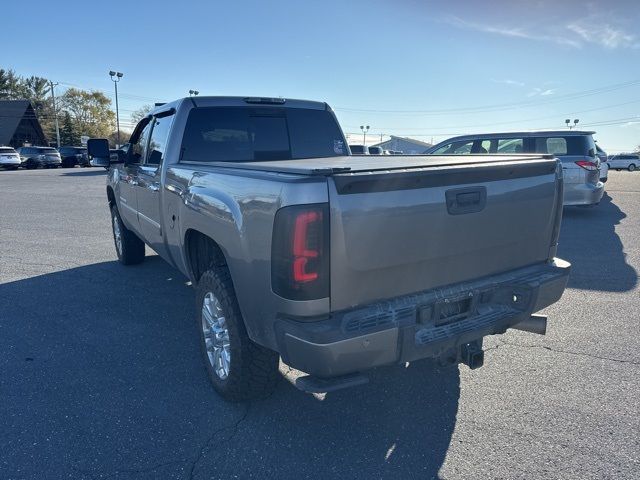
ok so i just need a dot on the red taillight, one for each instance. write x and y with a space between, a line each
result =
302 250
587 165
299 252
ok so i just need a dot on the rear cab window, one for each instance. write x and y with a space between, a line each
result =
246 134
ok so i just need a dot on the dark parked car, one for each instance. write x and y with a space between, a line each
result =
9 158
72 156
34 157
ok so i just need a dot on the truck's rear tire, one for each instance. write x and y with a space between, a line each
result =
129 247
238 368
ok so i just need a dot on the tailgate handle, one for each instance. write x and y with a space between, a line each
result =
466 200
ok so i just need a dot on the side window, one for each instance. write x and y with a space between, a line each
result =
481 146
455 148
139 148
553 145
158 140
510 145
440 151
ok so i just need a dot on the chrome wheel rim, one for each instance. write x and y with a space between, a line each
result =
117 234
216 336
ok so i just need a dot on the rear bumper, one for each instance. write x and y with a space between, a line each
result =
412 327
583 193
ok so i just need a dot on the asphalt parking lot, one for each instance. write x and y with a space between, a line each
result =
101 375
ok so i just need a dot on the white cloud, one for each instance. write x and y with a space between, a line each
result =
508 81
597 28
542 92
603 34
510 32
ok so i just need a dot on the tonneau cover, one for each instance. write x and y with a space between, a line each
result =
362 163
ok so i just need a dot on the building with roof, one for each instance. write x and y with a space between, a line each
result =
404 145
19 124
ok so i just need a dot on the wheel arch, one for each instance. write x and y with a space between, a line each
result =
201 253
111 196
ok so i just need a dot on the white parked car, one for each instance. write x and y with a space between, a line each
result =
604 166
628 161
9 158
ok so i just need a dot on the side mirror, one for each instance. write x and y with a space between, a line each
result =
98 151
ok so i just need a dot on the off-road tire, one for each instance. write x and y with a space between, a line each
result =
253 369
131 249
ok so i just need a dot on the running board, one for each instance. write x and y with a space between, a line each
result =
311 384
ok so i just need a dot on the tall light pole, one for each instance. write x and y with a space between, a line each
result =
115 77
568 122
55 112
364 134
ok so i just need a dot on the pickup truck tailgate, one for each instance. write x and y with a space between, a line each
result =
395 232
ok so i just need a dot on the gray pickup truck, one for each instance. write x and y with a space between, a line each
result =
335 263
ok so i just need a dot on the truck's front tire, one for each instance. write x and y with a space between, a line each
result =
238 368
129 247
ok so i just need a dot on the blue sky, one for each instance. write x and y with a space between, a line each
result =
427 69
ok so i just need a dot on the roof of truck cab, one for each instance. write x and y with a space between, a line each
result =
246 101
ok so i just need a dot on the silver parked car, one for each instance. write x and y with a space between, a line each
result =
627 161
9 158
576 149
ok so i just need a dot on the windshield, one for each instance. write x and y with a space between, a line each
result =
241 134
7 150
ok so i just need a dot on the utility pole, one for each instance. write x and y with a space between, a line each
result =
115 77
55 112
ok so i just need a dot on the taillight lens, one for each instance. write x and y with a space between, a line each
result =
587 165
300 252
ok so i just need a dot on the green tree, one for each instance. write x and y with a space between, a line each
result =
11 85
113 138
90 112
140 113
38 91
68 133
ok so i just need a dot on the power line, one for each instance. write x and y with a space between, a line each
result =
500 107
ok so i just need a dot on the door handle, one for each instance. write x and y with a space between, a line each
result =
173 189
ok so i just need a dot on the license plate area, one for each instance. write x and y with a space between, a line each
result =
448 310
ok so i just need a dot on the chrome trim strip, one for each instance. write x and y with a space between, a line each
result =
150 220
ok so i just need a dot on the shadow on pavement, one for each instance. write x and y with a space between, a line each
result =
94 172
589 241
104 379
